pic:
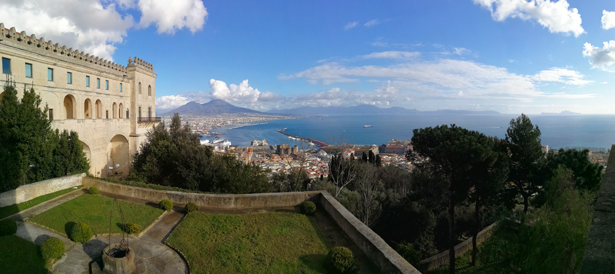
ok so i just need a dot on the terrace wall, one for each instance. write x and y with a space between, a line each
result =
385 257
212 201
28 192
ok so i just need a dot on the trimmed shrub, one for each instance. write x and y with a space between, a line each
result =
81 233
341 258
133 228
166 204
7 227
409 253
191 207
93 190
308 208
52 248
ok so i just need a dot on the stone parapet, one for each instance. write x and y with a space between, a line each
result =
28 192
385 257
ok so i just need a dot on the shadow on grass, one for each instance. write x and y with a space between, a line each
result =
68 227
315 262
122 227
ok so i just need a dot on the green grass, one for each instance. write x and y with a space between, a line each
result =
277 242
94 210
18 256
12 209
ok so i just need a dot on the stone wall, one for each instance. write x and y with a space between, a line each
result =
385 257
30 191
600 252
212 201
441 259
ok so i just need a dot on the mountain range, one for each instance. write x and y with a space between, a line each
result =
212 107
218 106
565 112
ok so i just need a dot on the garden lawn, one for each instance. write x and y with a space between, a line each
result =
94 210
276 242
12 209
18 256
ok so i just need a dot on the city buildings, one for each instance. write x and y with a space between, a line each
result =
110 106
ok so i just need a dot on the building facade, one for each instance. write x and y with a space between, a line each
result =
110 106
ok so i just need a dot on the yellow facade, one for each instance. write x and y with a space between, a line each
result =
111 113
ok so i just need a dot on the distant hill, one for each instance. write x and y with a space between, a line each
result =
565 112
212 107
368 109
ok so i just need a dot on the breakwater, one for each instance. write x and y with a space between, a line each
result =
307 140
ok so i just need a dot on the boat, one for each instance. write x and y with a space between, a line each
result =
366 126
204 142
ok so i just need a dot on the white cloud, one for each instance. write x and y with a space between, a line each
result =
350 25
171 101
556 16
94 26
600 57
443 78
242 94
562 75
608 19
372 23
461 51
392 55
174 15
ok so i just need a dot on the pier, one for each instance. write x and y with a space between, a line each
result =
308 140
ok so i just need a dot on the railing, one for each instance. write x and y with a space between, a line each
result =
148 119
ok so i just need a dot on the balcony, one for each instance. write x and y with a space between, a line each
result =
149 119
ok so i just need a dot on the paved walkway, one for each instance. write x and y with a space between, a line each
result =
151 254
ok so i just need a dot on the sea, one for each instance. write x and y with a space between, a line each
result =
558 131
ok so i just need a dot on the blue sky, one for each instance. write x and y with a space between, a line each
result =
511 56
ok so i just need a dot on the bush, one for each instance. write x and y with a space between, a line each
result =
93 190
52 248
341 258
166 204
191 207
7 227
409 253
81 233
308 208
133 228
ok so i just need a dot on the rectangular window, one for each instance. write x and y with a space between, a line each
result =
139 112
6 66
97 82
149 112
107 113
50 114
87 81
107 84
28 70
69 77
120 87
50 74
127 114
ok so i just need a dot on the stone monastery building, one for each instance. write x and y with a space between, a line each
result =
110 106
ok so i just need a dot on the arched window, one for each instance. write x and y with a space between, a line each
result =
114 110
69 107
119 114
99 109
139 87
87 109
127 113
149 91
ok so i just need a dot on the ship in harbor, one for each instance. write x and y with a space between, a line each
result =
366 126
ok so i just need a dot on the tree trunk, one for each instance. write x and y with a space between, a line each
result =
476 227
451 228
